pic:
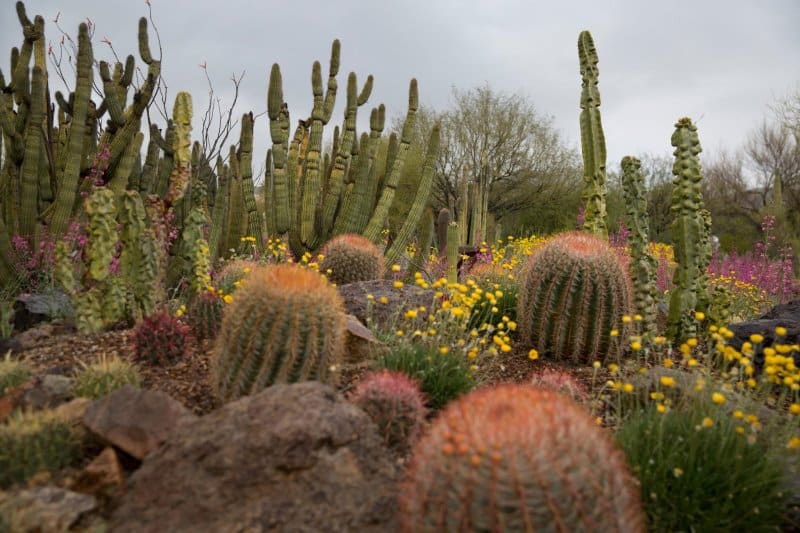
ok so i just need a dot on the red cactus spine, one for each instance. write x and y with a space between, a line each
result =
160 339
518 458
396 405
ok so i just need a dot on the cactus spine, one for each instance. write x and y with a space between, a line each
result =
573 292
690 233
285 324
516 458
593 143
643 266
349 257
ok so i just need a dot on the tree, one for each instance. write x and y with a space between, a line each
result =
512 154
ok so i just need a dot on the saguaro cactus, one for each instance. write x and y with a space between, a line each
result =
593 142
689 232
518 458
643 265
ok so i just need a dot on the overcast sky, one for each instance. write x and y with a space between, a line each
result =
720 62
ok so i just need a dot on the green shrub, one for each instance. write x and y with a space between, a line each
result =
12 373
104 376
32 442
505 290
442 378
698 474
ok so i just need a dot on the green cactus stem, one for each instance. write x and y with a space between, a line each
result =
593 143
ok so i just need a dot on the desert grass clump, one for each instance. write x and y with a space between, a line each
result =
517 458
160 339
395 403
700 469
104 376
285 324
13 373
349 257
443 377
31 442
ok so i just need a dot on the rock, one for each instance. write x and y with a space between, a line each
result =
766 328
50 390
383 316
32 309
360 343
72 412
290 458
12 346
787 311
135 421
104 473
34 335
44 509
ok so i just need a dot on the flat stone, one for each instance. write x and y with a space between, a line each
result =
44 509
135 421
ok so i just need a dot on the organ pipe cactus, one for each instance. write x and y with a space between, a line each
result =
643 265
517 458
689 232
573 292
285 324
593 143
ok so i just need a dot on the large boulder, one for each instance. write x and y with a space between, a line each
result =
383 316
290 458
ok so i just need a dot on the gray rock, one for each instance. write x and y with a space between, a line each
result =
135 421
290 458
360 344
50 390
383 317
44 509
32 309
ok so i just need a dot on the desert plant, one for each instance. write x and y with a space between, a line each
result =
6 318
349 257
205 315
104 376
493 278
442 377
572 294
517 458
13 373
231 275
31 442
697 473
394 402
560 382
160 338
285 324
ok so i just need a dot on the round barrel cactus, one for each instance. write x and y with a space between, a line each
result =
349 257
518 458
573 292
285 324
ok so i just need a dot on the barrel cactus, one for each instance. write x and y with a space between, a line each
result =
205 315
573 292
285 324
518 458
349 257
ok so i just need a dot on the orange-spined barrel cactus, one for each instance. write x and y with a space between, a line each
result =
285 324
517 458
572 293
349 257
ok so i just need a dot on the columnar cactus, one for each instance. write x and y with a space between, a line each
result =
573 292
285 324
452 252
690 230
350 257
643 266
517 458
593 142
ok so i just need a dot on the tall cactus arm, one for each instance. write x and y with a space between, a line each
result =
29 179
280 140
311 174
420 200
68 184
376 222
